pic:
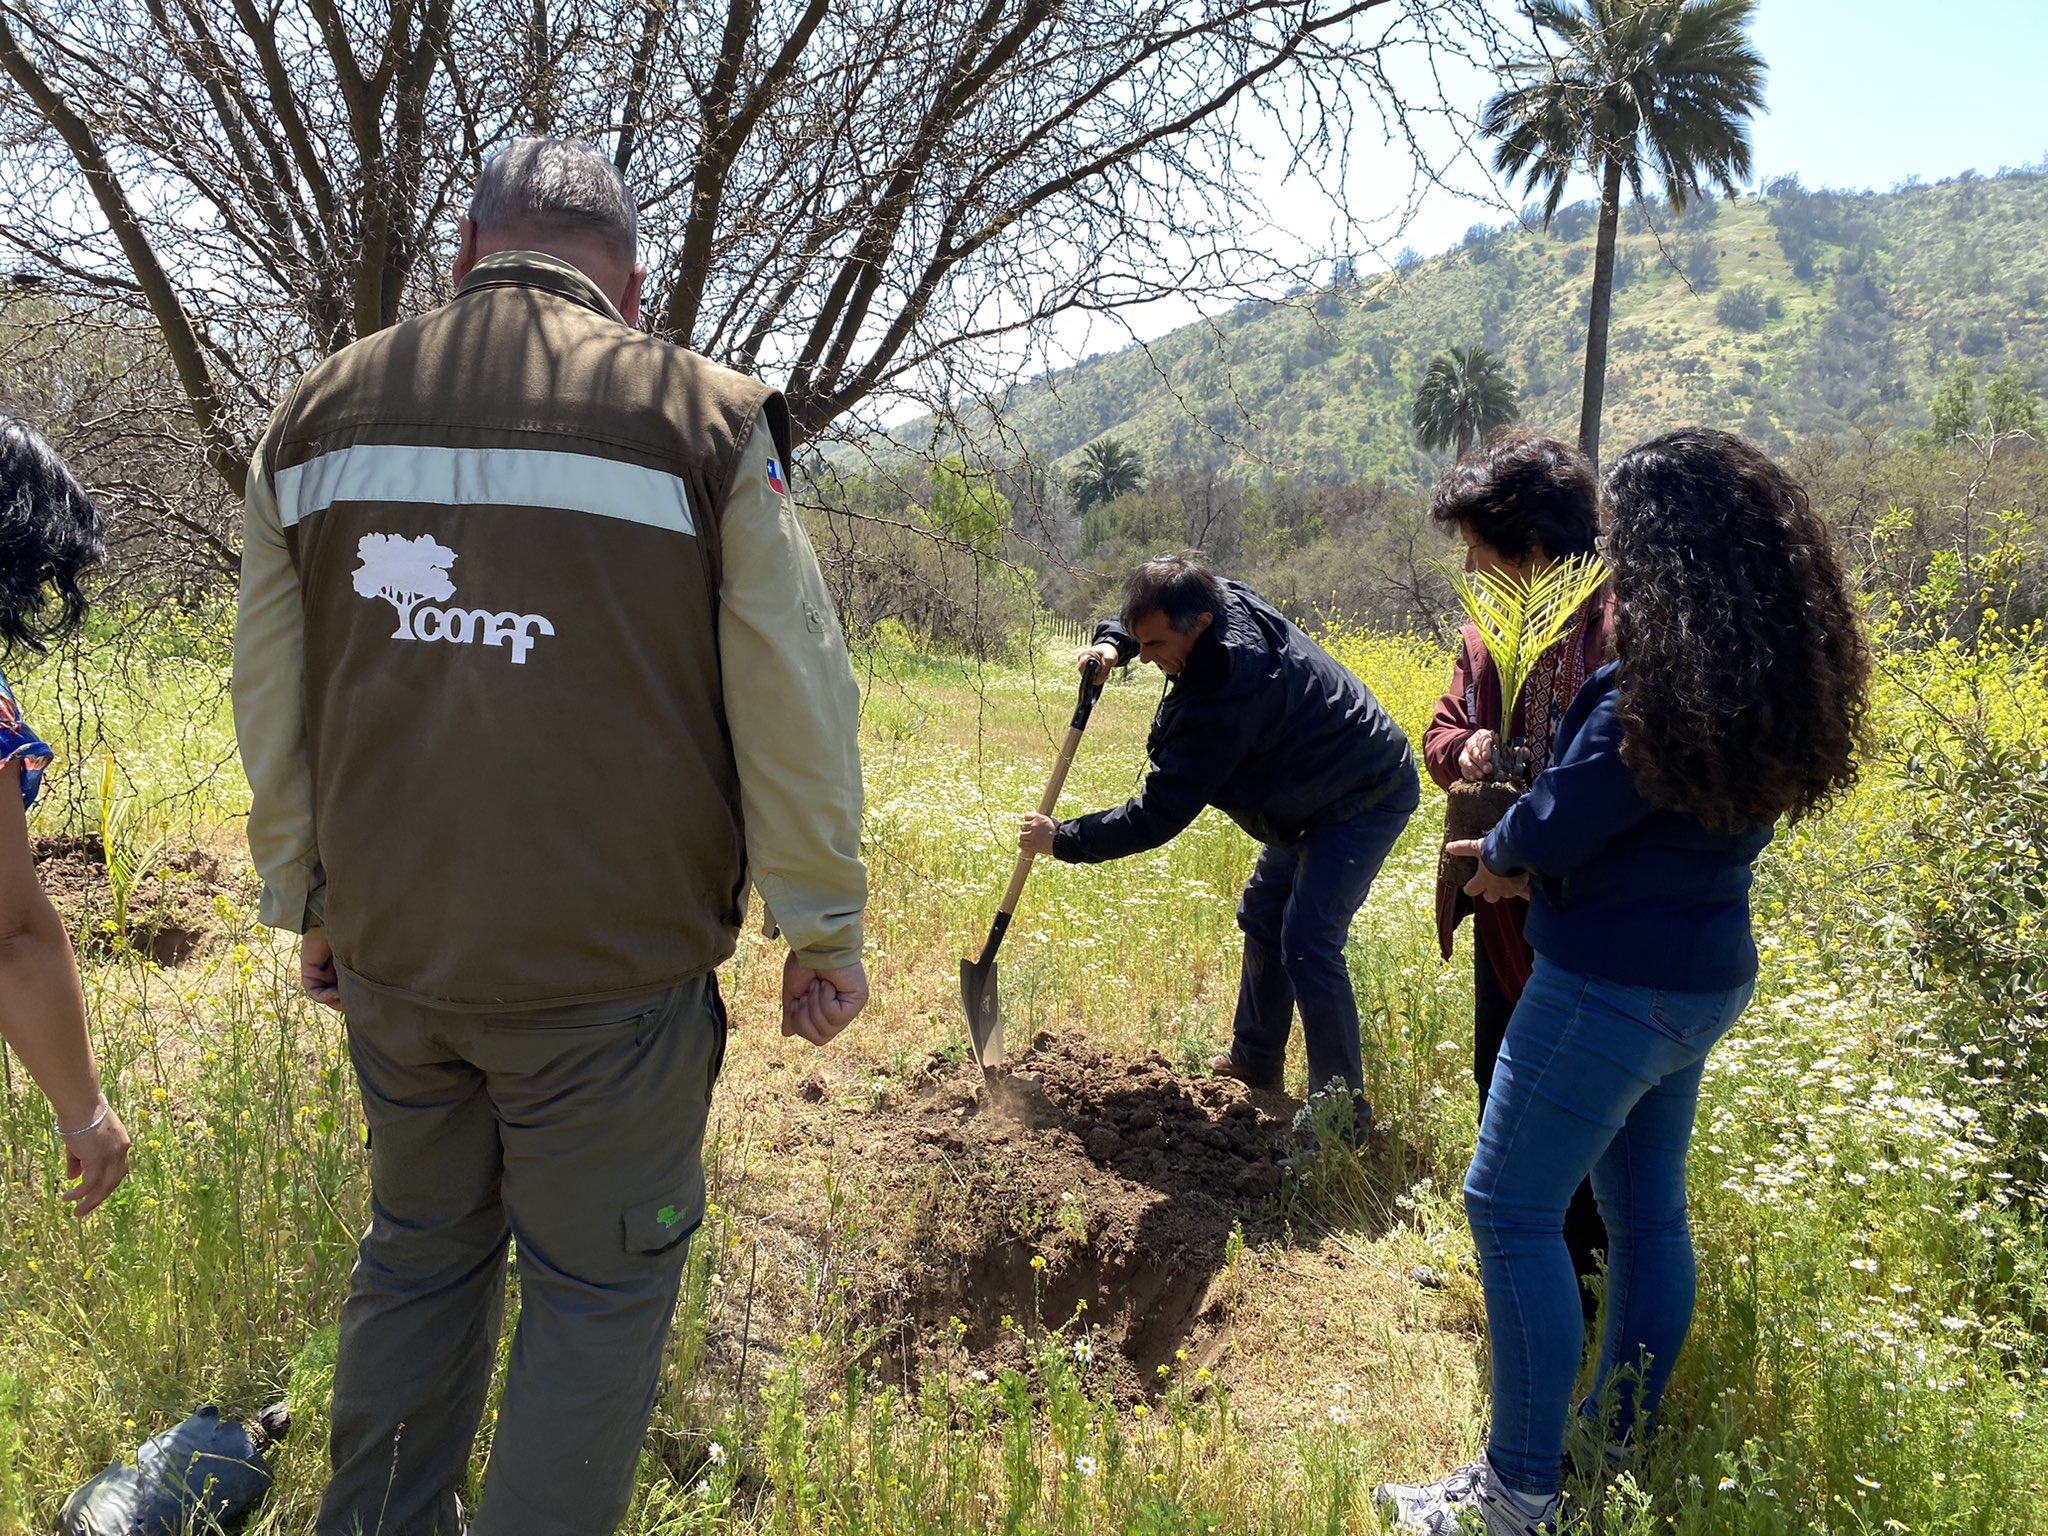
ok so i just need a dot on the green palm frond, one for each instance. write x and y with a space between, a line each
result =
1464 398
1664 88
1519 619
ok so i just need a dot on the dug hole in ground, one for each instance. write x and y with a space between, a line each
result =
1141 1214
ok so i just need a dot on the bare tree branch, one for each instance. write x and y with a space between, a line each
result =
870 199
112 198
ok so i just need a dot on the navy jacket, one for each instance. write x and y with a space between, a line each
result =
1621 889
1263 725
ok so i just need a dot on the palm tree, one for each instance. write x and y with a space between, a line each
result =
1639 88
1108 469
1465 396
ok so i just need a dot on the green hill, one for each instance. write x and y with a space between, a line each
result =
1780 316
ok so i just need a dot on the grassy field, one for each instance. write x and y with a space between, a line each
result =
1869 1350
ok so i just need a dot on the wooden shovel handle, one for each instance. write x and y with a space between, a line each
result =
1090 692
1046 802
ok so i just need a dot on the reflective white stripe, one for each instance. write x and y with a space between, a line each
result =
468 477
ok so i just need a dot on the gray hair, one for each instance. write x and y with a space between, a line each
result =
548 186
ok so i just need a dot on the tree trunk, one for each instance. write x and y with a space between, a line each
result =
1603 302
181 340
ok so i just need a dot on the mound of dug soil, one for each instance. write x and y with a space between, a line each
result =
170 911
1124 1175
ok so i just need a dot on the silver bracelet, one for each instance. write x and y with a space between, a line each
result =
98 1120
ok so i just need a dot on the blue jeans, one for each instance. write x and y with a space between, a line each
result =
1296 914
1594 1077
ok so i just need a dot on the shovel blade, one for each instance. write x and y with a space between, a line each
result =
983 1004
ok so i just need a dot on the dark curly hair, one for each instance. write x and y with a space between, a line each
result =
1519 491
51 533
1744 672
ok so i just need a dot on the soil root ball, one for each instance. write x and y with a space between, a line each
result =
1472 810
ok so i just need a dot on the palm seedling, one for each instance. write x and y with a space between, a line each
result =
1518 618
131 853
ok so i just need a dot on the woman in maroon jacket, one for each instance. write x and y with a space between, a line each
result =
1520 503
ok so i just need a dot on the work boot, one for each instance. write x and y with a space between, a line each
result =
1223 1064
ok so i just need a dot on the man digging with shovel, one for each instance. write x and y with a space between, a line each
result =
1261 723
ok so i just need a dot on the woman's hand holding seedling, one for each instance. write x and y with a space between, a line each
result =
1475 758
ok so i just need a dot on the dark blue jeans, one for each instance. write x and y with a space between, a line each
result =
1601 1078
1296 914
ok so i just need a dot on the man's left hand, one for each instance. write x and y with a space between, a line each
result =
1036 834
818 1004
316 971
1486 885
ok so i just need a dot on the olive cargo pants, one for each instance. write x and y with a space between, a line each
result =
579 1133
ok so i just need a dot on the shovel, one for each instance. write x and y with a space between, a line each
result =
978 993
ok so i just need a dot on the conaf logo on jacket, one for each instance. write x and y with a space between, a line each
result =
409 572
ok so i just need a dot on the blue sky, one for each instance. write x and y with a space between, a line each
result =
1860 94
1864 93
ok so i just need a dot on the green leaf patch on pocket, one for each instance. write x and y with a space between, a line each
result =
655 1226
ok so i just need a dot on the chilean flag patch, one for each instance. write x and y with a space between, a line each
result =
776 483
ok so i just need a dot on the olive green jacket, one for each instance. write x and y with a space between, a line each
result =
615 689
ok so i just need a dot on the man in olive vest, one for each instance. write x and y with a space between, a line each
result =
534 670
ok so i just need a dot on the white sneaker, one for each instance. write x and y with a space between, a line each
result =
1465 1504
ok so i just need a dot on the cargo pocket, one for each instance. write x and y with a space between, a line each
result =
656 1226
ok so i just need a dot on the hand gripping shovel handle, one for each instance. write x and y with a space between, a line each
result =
1090 692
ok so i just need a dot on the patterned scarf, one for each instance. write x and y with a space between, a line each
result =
1553 683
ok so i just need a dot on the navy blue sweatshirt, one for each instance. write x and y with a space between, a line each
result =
1621 889
1263 724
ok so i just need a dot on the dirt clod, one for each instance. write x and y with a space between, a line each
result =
1259 1181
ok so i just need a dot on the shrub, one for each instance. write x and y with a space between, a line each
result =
1741 309
1978 901
1980 341
955 598
1700 261
1700 213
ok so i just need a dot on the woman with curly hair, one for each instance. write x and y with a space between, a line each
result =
1521 504
50 532
1736 698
